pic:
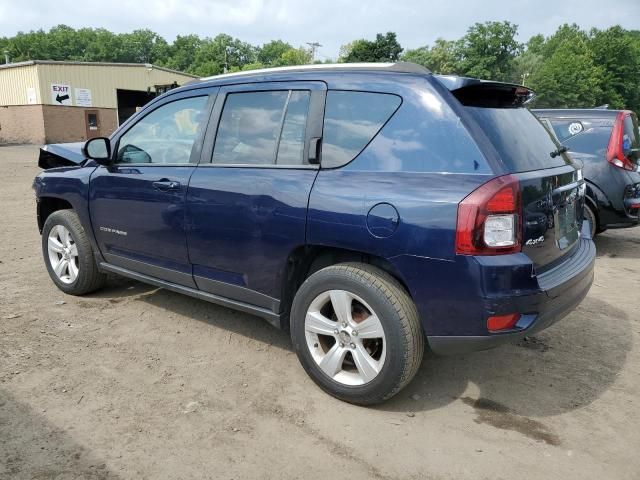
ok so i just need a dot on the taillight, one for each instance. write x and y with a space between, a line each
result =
489 219
615 151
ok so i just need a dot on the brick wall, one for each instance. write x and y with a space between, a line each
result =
21 124
67 124
39 124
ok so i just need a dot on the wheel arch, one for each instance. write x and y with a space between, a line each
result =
308 259
48 205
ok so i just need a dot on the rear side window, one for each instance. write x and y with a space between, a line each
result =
262 128
522 142
351 120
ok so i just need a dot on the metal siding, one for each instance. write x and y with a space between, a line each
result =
14 83
102 80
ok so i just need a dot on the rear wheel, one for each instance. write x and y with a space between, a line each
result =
357 333
68 254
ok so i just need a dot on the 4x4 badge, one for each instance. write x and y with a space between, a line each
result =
535 241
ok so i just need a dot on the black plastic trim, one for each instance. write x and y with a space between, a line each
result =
235 292
170 275
271 317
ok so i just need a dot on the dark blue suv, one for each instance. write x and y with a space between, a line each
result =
368 209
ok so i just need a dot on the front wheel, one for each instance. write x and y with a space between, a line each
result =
357 333
68 254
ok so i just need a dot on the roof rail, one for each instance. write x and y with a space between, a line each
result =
397 67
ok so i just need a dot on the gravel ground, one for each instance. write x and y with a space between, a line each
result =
138 382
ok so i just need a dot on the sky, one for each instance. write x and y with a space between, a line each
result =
329 22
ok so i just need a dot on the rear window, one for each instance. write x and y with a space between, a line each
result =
522 142
593 141
567 128
351 120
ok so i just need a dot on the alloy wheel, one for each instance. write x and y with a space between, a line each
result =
63 254
345 337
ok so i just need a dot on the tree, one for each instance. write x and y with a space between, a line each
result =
619 54
488 50
569 78
270 53
385 48
182 53
294 56
441 58
143 46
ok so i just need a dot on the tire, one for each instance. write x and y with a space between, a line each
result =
80 275
591 217
372 295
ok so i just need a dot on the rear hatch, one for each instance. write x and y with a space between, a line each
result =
551 184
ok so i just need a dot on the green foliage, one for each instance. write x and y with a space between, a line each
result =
385 48
569 77
571 68
618 53
488 50
441 58
271 52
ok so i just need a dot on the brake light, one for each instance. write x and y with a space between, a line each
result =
615 152
489 219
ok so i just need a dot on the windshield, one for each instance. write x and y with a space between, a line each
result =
522 142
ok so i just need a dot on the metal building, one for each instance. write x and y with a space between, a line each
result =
48 101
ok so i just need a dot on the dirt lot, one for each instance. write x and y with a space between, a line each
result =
137 382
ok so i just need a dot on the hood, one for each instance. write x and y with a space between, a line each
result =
61 155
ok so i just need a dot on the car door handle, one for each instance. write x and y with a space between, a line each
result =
166 185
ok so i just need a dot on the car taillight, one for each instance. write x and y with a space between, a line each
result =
489 219
615 152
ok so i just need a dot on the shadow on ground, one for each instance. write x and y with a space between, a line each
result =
566 367
32 448
563 368
623 244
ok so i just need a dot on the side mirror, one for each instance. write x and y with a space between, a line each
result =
98 149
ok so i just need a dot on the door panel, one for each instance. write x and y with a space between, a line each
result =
247 210
244 222
138 204
135 220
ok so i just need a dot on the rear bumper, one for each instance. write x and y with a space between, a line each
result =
624 211
561 291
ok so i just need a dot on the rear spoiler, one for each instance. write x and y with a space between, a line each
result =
61 155
473 92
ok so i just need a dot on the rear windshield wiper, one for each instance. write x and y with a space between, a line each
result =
561 149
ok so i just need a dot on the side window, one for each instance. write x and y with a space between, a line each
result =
351 120
291 149
262 128
166 135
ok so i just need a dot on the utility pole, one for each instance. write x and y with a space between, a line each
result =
524 78
314 46
6 57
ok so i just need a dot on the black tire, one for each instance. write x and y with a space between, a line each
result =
89 277
399 318
592 219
